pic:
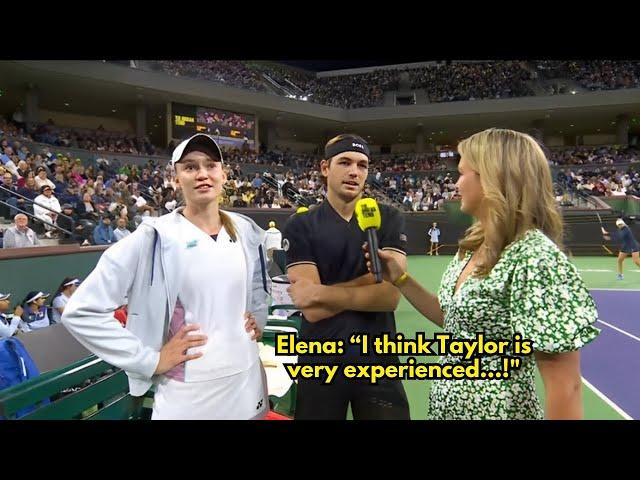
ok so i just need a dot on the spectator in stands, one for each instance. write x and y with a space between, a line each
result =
29 191
228 378
62 296
6 196
20 236
594 74
8 152
169 200
234 73
156 187
87 209
71 224
50 213
121 231
118 209
39 162
90 188
141 203
145 180
35 315
42 180
257 181
9 322
103 233
76 176
59 183
8 163
23 168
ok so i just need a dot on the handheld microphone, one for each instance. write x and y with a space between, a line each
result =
369 220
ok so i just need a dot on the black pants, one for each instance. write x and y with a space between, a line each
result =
386 400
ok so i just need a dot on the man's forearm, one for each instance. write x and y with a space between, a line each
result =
366 279
360 294
376 297
315 314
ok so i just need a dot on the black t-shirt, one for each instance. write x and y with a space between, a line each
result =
321 237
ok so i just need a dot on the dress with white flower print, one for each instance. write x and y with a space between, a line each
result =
533 290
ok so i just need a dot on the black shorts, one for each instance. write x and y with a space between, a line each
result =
629 251
385 400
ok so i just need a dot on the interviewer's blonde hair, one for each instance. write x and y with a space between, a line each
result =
518 193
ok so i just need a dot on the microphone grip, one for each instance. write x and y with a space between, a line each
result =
372 240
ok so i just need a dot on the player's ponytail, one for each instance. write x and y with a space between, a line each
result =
228 225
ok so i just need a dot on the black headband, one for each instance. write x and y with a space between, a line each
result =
346 145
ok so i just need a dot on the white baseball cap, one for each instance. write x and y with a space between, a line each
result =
620 222
200 138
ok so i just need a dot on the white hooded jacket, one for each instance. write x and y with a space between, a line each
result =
138 271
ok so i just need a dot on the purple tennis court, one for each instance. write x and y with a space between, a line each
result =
612 362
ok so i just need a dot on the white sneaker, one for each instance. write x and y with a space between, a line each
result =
48 234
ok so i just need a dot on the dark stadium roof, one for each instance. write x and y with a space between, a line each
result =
324 65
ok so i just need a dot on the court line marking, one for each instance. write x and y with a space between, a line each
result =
598 270
630 335
601 395
616 289
607 400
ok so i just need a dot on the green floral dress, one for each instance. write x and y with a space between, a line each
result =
533 290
